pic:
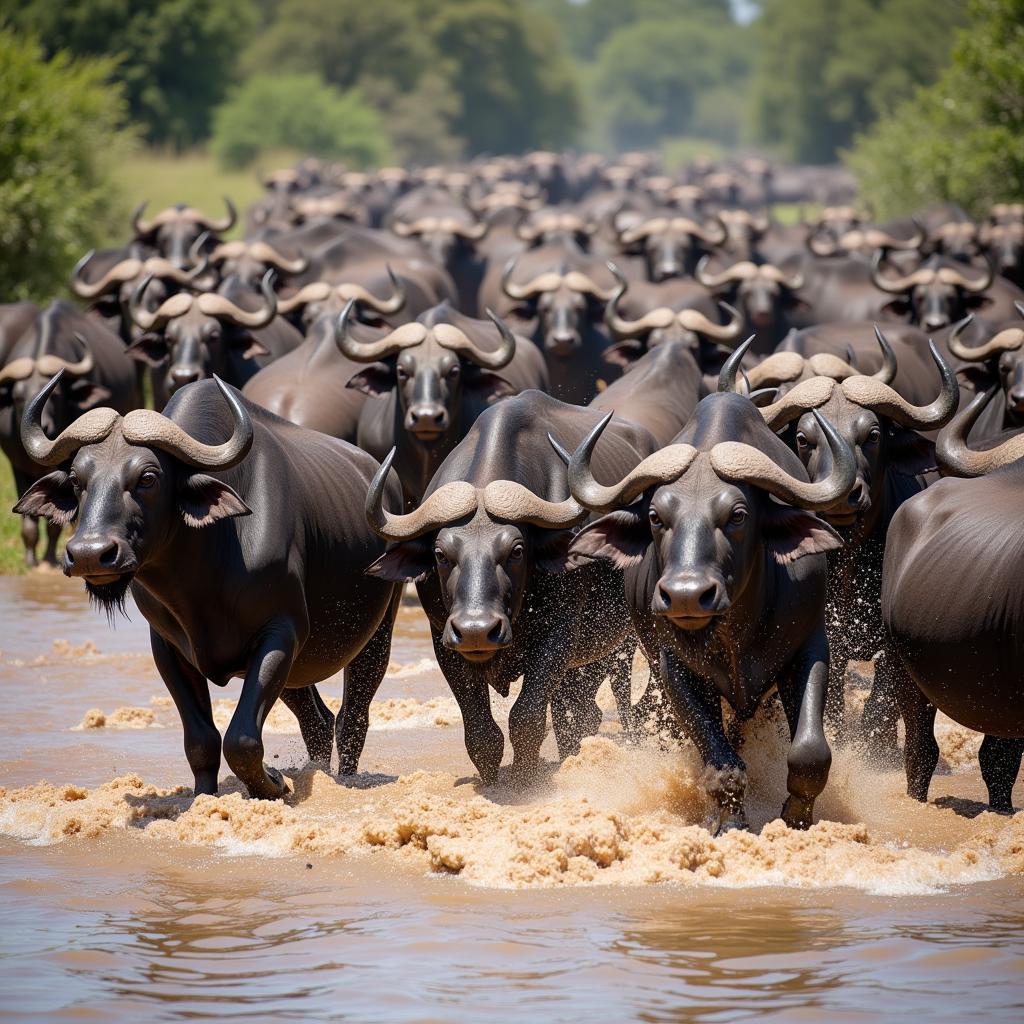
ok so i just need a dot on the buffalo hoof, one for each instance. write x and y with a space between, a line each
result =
798 813
729 824
1005 809
273 787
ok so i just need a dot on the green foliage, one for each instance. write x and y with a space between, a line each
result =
962 139
58 148
297 112
12 551
175 58
517 88
487 74
651 79
824 71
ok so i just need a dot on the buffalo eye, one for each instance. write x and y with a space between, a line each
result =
74 481
655 519
802 443
403 373
874 435
517 552
453 372
738 516
442 558
147 480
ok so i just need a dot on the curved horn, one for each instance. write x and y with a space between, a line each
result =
744 463
812 243
316 291
714 280
397 299
951 450
139 226
506 499
953 276
511 290
1005 341
894 286
176 305
662 467
456 340
448 503
196 254
221 306
48 365
612 318
731 367
887 374
90 428
808 394
220 226
694 320
121 272
872 393
406 336
154 430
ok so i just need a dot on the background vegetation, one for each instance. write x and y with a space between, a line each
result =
924 96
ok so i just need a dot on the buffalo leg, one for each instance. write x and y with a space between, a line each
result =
264 681
52 536
191 695
485 743
920 751
363 677
574 709
316 723
30 538
700 715
881 715
803 693
1000 762
527 721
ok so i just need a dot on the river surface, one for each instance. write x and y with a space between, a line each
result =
414 894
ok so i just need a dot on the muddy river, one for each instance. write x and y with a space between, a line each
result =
413 894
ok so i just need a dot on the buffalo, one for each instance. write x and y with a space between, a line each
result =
245 555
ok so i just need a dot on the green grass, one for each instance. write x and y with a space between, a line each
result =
12 558
165 178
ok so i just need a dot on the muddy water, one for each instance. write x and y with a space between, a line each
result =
414 894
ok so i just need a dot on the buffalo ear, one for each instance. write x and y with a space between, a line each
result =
51 497
408 562
150 349
910 453
490 385
623 353
976 376
253 346
551 550
620 537
375 380
87 394
979 301
204 499
791 533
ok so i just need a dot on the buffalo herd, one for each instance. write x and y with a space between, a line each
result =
587 407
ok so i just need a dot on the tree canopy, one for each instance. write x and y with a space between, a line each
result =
174 58
961 139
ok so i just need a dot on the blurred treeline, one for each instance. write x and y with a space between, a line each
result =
420 81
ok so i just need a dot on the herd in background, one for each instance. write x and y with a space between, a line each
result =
585 405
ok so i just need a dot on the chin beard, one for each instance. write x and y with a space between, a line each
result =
110 597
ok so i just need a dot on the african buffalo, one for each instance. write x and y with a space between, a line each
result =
429 380
487 547
959 646
891 457
245 555
96 371
173 232
725 586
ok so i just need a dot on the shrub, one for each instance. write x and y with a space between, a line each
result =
298 112
59 144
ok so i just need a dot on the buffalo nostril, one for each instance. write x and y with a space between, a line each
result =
455 633
708 598
494 633
109 555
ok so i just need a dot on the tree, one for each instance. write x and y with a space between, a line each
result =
650 78
825 71
517 87
297 112
960 140
175 58
59 143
